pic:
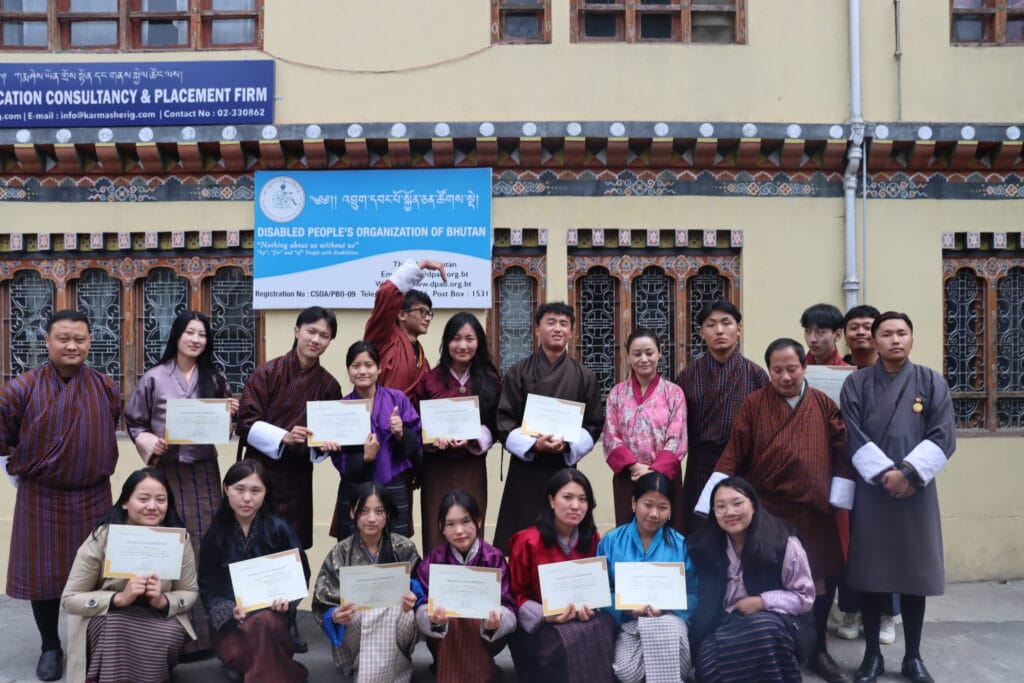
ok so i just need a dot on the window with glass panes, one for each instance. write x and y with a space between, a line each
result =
678 21
129 24
521 21
986 22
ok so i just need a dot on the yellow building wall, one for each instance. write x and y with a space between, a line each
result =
792 257
941 82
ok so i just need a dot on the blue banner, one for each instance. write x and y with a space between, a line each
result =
81 94
332 237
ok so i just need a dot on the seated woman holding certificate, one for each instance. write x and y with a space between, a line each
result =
644 423
652 644
390 449
465 369
377 643
580 639
752 620
184 371
251 645
128 629
464 649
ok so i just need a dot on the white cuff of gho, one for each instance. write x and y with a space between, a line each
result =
583 445
3 466
316 455
407 276
703 505
267 439
520 444
870 462
841 494
927 460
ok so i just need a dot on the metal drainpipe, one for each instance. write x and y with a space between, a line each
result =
851 284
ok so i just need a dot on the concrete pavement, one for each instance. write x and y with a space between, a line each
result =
973 633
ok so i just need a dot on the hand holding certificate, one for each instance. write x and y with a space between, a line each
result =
198 421
466 592
553 417
135 550
258 582
455 419
375 585
346 423
661 585
575 582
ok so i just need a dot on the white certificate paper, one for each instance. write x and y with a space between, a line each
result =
662 585
134 550
828 378
198 421
375 585
466 592
346 423
261 580
457 419
580 582
553 417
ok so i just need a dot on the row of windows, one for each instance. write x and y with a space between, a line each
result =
130 24
205 24
983 302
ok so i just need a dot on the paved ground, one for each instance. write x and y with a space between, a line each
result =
973 633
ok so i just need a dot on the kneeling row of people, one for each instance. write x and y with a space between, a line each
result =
748 582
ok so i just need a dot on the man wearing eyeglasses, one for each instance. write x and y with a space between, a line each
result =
401 314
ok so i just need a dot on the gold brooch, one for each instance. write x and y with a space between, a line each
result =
918 404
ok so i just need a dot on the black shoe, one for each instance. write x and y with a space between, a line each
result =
50 666
298 644
826 667
870 669
913 669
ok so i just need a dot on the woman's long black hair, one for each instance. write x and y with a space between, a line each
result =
482 372
546 520
223 522
211 383
118 515
765 539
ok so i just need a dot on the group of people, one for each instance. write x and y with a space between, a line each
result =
757 518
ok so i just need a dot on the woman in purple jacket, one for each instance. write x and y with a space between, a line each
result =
391 447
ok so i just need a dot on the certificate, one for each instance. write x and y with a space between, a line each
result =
135 550
375 585
198 421
261 580
466 592
662 585
553 417
457 419
581 582
346 423
828 378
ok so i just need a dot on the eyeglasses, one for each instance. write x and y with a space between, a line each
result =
424 312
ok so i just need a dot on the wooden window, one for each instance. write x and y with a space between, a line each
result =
520 21
652 21
519 281
983 360
659 288
130 312
986 22
130 24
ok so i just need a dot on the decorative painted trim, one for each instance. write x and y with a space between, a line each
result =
60 270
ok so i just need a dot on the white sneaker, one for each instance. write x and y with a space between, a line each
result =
851 626
835 616
887 634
